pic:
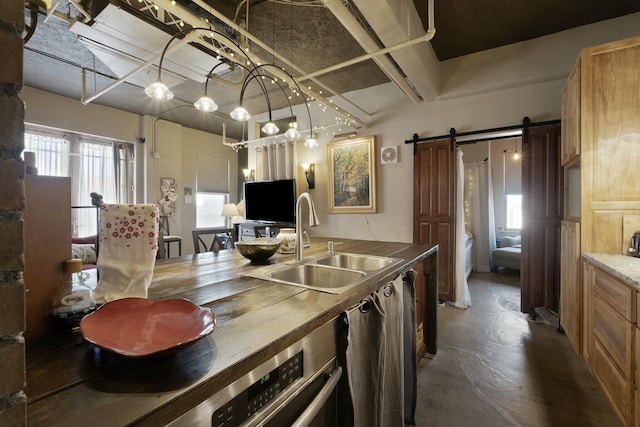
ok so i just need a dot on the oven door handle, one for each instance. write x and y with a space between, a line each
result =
321 398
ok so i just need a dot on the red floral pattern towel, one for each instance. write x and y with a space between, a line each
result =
128 239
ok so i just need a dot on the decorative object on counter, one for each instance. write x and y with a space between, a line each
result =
74 299
634 249
96 199
287 237
309 172
128 237
140 327
260 249
352 176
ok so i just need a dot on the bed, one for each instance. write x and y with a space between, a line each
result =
468 254
508 254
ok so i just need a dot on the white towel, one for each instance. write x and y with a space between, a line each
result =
128 245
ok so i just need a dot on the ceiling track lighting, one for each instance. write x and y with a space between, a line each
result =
159 91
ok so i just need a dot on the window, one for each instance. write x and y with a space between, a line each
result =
94 165
514 211
209 209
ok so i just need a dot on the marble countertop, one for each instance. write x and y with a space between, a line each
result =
624 267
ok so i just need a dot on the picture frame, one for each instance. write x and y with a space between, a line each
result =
351 170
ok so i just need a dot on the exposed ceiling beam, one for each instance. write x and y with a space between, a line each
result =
397 21
348 21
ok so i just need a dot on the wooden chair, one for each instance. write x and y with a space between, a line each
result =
221 238
168 238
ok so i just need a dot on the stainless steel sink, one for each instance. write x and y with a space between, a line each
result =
317 276
355 261
333 273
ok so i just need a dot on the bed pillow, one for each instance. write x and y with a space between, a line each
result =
510 241
85 252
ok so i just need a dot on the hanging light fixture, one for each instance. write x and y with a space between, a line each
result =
205 103
158 90
516 156
240 114
270 128
292 133
311 142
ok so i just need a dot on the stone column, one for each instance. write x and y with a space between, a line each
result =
13 406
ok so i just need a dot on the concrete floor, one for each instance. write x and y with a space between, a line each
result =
494 367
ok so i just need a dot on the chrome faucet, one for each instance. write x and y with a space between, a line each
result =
313 221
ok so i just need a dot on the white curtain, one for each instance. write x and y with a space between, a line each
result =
463 299
275 161
479 214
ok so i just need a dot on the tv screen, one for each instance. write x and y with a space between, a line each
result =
270 201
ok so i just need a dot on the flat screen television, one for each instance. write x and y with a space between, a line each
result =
270 201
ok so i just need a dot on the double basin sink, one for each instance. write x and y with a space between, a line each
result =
333 273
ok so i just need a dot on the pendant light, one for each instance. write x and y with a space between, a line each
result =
292 133
270 128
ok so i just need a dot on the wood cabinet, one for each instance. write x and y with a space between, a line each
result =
47 245
570 113
601 146
600 150
570 284
609 143
611 331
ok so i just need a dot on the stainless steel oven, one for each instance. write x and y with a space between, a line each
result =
297 387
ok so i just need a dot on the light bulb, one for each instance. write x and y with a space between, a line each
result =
206 104
292 133
311 142
270 128
240 114
516 156
158 90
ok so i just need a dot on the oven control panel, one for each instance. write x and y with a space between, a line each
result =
257 395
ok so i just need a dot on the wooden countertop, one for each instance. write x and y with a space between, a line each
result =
70 382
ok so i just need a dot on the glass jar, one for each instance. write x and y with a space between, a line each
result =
74 299
287 237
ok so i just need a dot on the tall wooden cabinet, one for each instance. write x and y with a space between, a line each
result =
600 154
47 245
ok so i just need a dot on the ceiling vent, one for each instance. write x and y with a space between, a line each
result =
124 42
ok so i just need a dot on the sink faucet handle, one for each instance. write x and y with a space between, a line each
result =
330 245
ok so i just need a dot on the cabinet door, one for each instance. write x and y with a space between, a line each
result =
570 114
587 311
610 142
570 285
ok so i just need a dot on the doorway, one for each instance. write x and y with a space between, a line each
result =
493 216
434 210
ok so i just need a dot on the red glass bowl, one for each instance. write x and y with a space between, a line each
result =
140 327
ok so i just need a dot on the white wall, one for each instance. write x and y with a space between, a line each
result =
397 120
176 147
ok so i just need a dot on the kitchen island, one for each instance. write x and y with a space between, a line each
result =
70 382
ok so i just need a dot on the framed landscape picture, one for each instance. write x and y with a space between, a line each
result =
352 176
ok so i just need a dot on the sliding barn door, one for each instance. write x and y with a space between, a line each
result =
434 208
541 206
